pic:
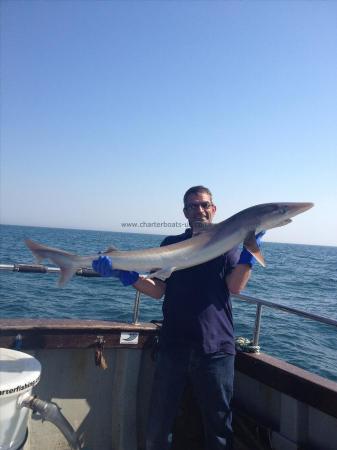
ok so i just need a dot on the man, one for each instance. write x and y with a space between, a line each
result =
197 336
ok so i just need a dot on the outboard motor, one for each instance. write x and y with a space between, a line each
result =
19 373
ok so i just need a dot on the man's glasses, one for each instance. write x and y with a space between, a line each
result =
195 206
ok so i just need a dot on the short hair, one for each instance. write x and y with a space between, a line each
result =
196 190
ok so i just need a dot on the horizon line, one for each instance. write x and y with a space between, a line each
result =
146 234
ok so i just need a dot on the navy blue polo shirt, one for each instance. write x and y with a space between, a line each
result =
197 308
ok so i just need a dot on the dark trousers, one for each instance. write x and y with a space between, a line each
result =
211 376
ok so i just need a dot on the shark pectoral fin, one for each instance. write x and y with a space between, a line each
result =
162 274
251 245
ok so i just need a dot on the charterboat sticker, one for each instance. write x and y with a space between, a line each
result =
129 338
20 388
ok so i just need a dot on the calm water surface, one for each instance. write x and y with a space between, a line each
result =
301 276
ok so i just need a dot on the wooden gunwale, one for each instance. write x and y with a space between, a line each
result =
52 334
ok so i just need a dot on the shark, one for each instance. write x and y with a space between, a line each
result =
211 242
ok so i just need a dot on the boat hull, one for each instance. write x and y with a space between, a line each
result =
292 407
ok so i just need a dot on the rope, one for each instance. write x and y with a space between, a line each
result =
245 345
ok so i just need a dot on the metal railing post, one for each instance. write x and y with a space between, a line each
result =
257 326
136 308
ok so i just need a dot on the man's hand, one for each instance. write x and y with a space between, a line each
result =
246 257
103 266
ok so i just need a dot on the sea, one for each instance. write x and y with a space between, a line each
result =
299 276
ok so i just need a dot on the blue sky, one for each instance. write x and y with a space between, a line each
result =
111 110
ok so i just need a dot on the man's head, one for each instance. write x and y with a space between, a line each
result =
198 206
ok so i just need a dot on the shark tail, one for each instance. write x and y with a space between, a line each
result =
66 274
67 262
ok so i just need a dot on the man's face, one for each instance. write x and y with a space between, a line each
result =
199 209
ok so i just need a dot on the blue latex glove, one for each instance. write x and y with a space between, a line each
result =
248 258
103 266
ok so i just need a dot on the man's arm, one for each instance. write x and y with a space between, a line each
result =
153 287
238 278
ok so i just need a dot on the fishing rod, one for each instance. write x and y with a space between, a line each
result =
40 268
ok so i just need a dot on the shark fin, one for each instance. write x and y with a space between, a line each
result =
35 248
162 274
65 275
38 258
251 245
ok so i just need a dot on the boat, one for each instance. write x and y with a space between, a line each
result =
276 405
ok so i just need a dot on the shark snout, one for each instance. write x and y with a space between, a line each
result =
298 208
